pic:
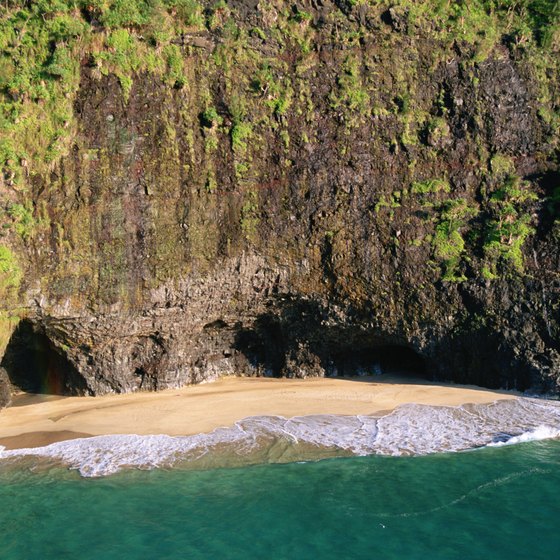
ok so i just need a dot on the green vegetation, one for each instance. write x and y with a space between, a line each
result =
210 118
246 87
431 186
210 121
393 202
240 133
437 131
351 94
509 225
482 22
502 166
175 73
121 58
23 219
250 215
45 44
241 129
277 92
190 12
448 241
10 274
42 48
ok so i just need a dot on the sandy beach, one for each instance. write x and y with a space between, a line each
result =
36 420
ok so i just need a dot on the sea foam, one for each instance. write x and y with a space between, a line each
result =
410 429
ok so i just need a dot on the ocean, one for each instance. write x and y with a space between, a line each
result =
490 492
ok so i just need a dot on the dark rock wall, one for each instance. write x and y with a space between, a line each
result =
5 389
171 253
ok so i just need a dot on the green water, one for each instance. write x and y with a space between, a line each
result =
490 503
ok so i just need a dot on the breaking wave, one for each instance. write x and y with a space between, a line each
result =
410 429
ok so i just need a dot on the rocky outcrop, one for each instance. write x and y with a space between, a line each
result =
329 204
5 389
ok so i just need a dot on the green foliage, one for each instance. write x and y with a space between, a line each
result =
175 75
509 225
240 134
258 32
302 16
449 246
250 214
45 44
402 103
210 121
122 13
39 70
285 136
482 23
241 130
8 153
351 94
211 184
544 18
42 46
437 130
381 203
23 219
211 118
277 92
122 58
63 65
189 11
10 273
431 186
448 242
394 202
502 166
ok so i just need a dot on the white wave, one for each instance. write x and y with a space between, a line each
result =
104 455
537 434
408 430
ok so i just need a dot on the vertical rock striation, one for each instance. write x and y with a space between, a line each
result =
320 189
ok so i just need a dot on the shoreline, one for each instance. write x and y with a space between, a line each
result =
39 420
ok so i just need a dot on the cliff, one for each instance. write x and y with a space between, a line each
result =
269 188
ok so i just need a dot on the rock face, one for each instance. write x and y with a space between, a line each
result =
5 389
340 209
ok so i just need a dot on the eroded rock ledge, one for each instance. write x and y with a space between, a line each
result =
244 320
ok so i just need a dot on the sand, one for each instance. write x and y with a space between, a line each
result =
36 420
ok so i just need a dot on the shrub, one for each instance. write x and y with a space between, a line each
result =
240 133
448 242
210 117
510 223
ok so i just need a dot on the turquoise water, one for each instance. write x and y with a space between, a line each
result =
490 503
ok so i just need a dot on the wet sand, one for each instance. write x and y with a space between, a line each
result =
37 420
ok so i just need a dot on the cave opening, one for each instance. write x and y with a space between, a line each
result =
269 347
391 359
34 365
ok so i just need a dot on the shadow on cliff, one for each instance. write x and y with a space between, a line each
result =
301 338
35 365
